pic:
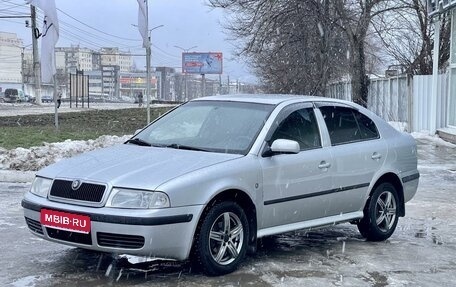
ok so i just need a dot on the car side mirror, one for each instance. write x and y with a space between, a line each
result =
281 146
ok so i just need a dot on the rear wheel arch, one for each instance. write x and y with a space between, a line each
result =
396 182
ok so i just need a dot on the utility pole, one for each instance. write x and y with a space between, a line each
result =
36 59
22 69
203 85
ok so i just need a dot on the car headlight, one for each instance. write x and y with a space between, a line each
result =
142 199
41 186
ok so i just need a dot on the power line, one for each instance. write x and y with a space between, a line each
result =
100 31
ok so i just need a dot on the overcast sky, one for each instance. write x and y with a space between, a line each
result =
187 23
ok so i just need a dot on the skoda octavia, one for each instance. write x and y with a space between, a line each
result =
210 177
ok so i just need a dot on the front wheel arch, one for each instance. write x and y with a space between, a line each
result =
222 239
245 202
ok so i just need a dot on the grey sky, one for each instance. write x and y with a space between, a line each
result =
187 23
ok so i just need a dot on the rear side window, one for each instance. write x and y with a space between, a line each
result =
346 125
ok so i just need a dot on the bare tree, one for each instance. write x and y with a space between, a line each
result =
355 18
407 36
292 45
300 45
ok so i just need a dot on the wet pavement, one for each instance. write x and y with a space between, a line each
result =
422 251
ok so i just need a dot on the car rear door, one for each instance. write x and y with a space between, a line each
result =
294 185
358 151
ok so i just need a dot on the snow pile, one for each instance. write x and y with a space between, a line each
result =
434 139
35 158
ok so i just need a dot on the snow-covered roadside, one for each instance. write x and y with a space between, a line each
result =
20 164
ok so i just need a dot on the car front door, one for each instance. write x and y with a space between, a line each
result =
294 185
359 152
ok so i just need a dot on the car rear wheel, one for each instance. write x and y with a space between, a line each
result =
380 214
222 240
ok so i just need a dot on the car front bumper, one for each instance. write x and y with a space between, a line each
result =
163 233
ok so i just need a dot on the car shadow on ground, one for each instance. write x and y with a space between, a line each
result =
300 246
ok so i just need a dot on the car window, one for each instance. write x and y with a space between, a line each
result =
227 127
346 125
300 126
367 126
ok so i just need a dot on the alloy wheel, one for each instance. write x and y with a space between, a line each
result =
385 211
226 238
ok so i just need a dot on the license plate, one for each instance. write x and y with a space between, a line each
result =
65 221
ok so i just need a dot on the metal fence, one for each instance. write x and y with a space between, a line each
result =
401 99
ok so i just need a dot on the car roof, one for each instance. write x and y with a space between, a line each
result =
271 99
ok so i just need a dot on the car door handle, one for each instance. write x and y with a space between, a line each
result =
324 165
376 156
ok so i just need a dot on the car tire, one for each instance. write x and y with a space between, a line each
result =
380 214
222 240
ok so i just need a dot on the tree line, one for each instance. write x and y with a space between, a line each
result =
299 46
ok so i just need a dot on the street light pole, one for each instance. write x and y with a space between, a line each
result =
148 82
36 60
185 73
148 61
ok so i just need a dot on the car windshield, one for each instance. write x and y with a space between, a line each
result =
213 126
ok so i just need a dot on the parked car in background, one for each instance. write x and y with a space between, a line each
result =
30 98
11 96
209 178
2 97
46 99
14 96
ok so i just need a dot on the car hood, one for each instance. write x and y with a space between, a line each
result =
133 166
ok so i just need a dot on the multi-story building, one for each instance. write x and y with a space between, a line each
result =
73 58
11 58
114 57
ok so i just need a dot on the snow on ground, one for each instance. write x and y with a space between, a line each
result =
19 164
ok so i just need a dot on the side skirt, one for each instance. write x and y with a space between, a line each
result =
320 222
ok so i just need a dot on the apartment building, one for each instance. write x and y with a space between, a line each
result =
11 58
114 57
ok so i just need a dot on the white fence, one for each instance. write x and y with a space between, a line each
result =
401 99
422 92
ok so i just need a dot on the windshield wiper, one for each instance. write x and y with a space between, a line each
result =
186 147
138 141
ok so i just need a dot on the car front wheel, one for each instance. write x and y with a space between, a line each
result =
380 214
222 240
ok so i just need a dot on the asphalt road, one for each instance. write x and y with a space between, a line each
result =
422 251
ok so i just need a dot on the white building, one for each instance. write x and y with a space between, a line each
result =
73 58
10 58
114 57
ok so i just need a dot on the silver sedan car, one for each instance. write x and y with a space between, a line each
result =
210 177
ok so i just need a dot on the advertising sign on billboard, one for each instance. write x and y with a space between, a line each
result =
202 63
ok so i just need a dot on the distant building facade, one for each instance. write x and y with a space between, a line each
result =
11 58
73 58
114 57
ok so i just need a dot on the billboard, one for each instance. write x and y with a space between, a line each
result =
202 63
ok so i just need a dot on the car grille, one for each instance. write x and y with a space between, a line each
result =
120 240
74 237
34 225
86 192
